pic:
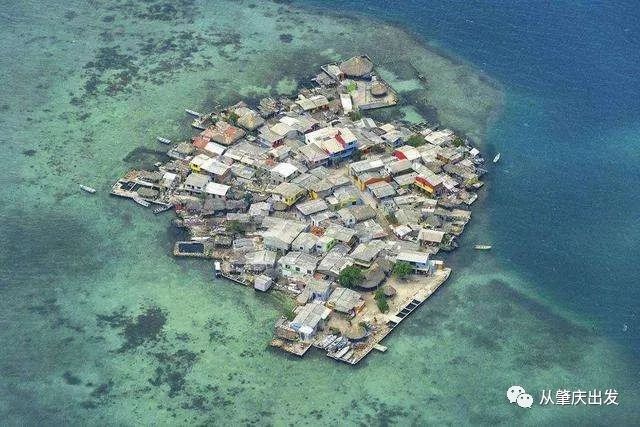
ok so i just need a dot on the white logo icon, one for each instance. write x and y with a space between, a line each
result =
517 394
513 392
524 400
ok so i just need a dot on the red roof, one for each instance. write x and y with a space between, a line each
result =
424 181
338 138
200 142
399 155
208 132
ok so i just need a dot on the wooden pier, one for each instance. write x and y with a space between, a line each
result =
394 320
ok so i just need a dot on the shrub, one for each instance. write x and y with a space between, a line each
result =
350 277
402 269
234 227
416 140
355 115
233 118
381 301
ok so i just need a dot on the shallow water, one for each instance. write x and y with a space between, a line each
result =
101 325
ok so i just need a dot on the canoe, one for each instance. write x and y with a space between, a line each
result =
141 202
87 189
192 113
482 247
161 209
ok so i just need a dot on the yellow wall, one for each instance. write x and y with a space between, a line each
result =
424 187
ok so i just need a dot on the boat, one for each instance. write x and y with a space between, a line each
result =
198 124
218 268
163 140
342 352
192 113
496 158
141 202
482 247
87 189
161 209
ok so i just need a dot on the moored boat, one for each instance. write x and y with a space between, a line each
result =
141 202
161 209
192 113
482 247
163 140
496 158
87 189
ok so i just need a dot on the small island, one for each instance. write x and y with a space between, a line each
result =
308 197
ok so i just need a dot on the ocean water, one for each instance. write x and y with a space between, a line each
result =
99 324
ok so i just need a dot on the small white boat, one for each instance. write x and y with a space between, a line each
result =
198 124
141 202
87 189
482 247
161 209
218 268
496 158
192 113
163 140
342 352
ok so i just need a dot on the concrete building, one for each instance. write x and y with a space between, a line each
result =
217 191
283 172
309 319
196 182
287 193
297 263
338 142
419 261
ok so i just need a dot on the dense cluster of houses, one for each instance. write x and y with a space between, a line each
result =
291 192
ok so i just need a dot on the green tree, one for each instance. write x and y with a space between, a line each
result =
289 311
381 300
248 197
402 269
233 118
355 115
416 140
234 227
350 277
458 142
391 217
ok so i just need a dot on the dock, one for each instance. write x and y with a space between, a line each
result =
296 348
393 320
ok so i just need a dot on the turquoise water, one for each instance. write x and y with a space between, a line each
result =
101 325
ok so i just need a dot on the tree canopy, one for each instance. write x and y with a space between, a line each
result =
350 277
402 269
416 140
381 300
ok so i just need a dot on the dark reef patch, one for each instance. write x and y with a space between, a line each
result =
216 328
144 328
286 38
110 58
144 158
37 245
71 379
172 370
29 153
